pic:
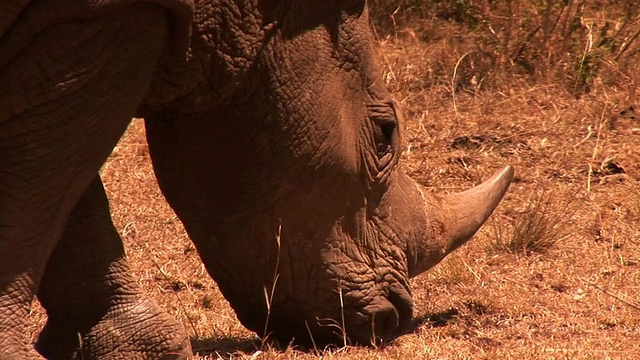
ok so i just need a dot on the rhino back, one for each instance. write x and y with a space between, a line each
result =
22 20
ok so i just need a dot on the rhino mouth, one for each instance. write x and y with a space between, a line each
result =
380 321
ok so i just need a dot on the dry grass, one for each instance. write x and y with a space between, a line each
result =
555 274
546 221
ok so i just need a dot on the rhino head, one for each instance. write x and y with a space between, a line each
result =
283 167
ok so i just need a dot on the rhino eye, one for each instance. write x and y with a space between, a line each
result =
384 137
388 128
385 125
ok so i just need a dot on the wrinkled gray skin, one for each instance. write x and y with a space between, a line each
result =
269 115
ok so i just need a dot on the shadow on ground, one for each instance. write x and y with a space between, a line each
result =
438 319
229 347
225 347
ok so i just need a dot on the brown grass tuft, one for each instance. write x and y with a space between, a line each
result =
545 221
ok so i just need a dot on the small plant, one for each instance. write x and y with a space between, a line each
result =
268 293
567 42
456 270
544 223
339 326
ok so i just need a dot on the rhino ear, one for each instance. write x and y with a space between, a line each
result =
464 213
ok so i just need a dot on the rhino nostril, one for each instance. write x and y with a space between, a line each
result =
379 322
403 304
385 321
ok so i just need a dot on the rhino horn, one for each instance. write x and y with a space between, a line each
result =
460 216
465 212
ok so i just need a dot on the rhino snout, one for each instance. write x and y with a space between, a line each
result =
381 319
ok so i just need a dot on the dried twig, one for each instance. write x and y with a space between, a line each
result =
633 306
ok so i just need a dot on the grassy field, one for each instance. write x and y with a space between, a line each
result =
555 273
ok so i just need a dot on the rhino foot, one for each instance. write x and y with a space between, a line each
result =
134 330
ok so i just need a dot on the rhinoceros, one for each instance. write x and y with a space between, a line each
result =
272 137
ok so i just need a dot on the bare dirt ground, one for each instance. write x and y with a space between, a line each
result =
554 274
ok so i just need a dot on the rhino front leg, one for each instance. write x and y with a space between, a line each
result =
69 89
88 291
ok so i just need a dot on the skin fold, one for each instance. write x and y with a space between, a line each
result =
272 137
